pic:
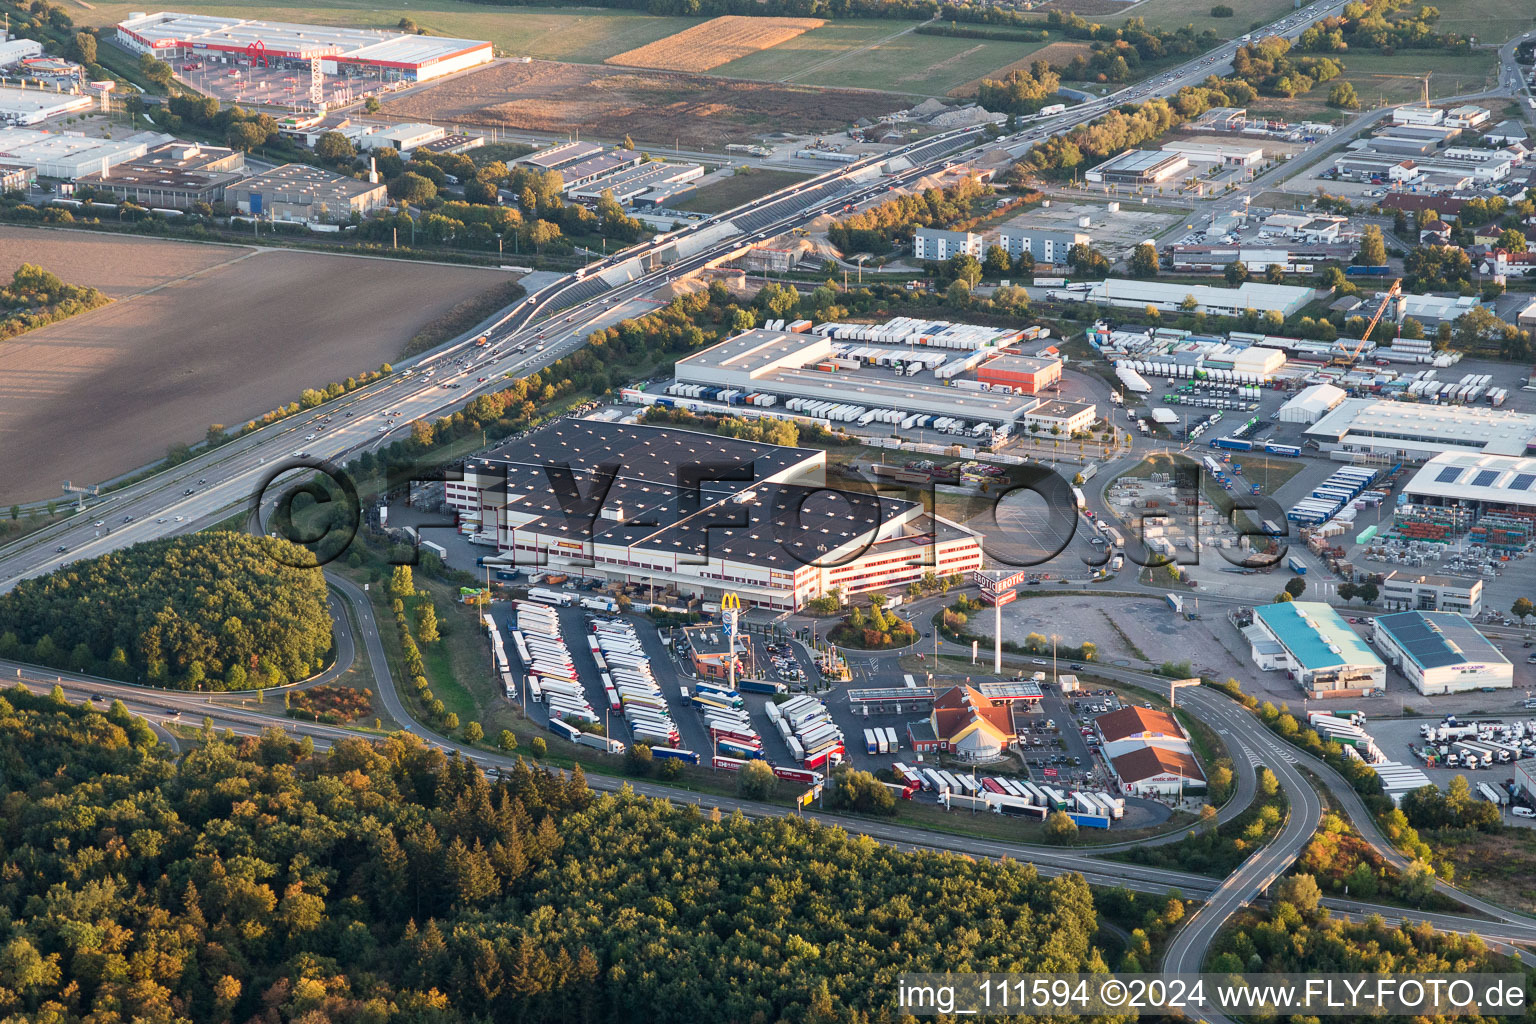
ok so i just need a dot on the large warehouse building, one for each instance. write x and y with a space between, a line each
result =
1321 652
386 56
1139 167
71 156
1485 482
1441 652
792 365
700 514
1284 299
1414 432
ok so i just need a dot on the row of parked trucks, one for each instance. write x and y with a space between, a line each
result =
1328 497
628 684
1346 728
1470 388
1478 744
552 677
997 795
724 396
1183 371
808 730
725 715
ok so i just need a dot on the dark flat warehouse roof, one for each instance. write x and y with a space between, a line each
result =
566 474
648 454
1439 639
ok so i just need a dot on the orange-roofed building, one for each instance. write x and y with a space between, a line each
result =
966 724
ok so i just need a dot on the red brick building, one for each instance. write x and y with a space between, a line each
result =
1029 374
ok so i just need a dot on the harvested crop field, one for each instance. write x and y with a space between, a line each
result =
652 106
1055 54
200 334
717 41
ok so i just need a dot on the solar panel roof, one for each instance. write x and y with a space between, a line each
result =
1484 478
1522 481
1438 639
1448 474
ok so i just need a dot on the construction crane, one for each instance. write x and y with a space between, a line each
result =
1417 78
1354 357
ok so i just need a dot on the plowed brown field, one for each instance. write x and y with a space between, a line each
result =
717 41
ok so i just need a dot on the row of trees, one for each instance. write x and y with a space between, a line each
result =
261 879
211 611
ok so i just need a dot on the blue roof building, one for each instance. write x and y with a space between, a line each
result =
1441 652
1321 652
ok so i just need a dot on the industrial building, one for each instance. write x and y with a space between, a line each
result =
173 176
934 244
1414 432
34 106
1506 133
628 185
1257 258
1321 652
1441 652
1284 299
1431 593
614 502
1310 404
300 193
351 52
1410 114
13 51
556 157
1227 154
1485 483
1027 374
403 138
1048 247
793 365
589 169
1139 167
68 157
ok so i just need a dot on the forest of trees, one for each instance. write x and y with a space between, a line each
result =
215 610
1297 935
261 880
1021 91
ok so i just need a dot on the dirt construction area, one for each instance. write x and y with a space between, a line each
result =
650 106
199 334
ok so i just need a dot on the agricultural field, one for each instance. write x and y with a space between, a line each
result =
1087 8
799 59
896 60
1172 14
652 107
1488 21
737 189
200 334
582 34
717 41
